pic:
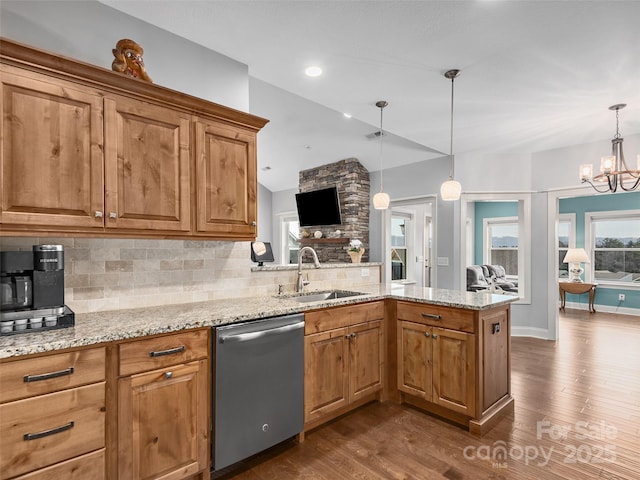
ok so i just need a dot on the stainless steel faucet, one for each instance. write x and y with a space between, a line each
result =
301 283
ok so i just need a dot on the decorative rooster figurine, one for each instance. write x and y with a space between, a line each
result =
129 59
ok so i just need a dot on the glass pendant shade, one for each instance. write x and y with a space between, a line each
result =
450 190
381 201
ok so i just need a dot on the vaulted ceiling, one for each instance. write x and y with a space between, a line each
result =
535 75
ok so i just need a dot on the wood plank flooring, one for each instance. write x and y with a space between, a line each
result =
577 416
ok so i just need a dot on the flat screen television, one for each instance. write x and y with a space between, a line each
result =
319 207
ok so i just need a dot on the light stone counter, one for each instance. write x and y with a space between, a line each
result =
109 326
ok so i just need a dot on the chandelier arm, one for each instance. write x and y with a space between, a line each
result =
596 188
635 185
613 187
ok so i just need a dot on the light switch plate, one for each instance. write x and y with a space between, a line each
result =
364 272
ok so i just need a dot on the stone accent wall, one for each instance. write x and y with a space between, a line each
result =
352 182
112 274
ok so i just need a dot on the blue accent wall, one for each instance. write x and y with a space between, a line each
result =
602 203
488 210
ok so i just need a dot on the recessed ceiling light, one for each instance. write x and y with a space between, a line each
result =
313 71
348 115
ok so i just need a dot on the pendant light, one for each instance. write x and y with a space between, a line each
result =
381 199
451 189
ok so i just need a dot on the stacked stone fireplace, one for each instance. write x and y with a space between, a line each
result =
352 181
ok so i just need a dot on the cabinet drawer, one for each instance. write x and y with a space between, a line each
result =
328 319
160 352
89 466
44 430
41 375
445 317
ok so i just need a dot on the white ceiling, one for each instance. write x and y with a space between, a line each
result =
535 74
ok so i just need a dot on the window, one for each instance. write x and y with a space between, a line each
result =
615 243
501 244
566 240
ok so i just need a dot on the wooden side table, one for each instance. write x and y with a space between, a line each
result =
578 288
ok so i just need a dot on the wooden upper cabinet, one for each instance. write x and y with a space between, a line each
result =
51 159
91 152
226 175
147 166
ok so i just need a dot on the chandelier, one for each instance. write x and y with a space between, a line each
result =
614 171
450 189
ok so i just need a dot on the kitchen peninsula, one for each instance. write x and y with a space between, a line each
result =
446 352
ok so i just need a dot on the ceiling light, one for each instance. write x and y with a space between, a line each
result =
451 189
313 71
381 199
614 170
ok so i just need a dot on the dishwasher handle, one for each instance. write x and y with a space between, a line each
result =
245 337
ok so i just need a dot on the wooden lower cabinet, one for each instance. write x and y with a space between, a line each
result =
163 414
437 365
343 366
158 422
53 416
461 372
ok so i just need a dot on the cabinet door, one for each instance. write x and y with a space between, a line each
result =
163 423
453 370
51 161
414 359
365 359
146 166
326 374
226 175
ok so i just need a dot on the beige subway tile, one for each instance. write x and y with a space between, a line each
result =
76 280
87 293
118 266
171 264
133 254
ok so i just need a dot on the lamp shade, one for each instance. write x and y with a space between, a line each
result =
576 255
450 190
381 201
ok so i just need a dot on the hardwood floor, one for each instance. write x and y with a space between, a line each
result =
577 416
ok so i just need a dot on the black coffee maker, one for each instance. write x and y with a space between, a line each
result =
32 290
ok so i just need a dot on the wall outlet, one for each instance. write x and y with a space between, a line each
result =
364 272
621 297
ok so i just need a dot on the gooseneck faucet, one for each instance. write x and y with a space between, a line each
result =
301 283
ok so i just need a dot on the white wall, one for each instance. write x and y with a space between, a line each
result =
283 201
265 224
88 31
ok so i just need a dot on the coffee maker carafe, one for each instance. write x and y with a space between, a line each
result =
32 289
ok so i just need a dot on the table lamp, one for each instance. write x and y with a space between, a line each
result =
574 257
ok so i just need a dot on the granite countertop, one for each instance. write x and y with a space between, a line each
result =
109 326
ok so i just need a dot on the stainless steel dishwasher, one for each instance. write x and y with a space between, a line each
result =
258 386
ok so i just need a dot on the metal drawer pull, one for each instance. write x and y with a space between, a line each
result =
434 336
47 376
432 316
46 433
171 351
426 334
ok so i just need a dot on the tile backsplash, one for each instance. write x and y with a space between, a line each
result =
113 274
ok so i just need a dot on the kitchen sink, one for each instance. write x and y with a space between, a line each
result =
323 295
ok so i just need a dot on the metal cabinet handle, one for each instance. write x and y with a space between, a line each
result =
46 433
113 215
168 375
47 376
244 337
171 351
426 334
434 336
253 224
432 316
98 214
353 335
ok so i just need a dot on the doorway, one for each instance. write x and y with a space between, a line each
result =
409 242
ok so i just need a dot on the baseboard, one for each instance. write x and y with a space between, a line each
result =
604 308
534 332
